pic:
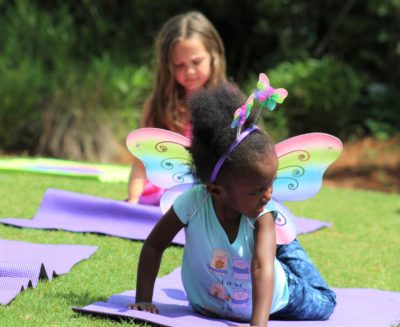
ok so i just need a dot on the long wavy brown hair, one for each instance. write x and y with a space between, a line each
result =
166 105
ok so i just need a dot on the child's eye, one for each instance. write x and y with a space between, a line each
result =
260 190
256 192
197 62
178 66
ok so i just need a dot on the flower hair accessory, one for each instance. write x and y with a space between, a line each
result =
267 97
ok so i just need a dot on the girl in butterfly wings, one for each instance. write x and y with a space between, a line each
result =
231 266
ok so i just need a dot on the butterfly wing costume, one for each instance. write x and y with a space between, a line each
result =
303 160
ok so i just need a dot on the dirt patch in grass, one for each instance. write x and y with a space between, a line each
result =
368 164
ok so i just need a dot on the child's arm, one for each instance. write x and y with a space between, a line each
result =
137 177
150 258
137 180
262 271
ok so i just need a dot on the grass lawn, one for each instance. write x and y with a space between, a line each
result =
361 250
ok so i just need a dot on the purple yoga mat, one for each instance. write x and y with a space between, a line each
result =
77 212
306 225
23 264
355 307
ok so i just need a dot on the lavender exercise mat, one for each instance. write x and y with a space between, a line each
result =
22 264
77 212
355 307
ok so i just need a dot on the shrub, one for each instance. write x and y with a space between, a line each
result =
21 99
383 119
34 46
323 97
91 112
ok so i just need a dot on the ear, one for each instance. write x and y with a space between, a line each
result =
214 189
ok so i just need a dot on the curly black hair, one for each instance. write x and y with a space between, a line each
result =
212 113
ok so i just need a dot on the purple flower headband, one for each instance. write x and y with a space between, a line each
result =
267 97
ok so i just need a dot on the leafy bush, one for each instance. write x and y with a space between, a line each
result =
55 103
34 46
323 97
91 112
84 60
383 120
21 99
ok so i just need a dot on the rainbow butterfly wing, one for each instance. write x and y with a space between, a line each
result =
285 226
164 155
169 196
303 160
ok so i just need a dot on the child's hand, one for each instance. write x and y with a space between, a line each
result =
144 306
134 200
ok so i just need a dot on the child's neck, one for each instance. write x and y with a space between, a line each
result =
228 218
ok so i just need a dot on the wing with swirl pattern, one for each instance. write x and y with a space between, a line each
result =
163 154
303 160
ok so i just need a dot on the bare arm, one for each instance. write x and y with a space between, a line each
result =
262 271
150 258
137 177
137 180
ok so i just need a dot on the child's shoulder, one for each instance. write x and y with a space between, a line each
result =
190 201
195 193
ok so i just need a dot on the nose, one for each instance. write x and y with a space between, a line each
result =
190 70
267 195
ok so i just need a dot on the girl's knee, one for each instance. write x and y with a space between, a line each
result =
329 305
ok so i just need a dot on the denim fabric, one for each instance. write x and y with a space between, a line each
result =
309 295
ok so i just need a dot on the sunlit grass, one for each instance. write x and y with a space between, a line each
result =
360 250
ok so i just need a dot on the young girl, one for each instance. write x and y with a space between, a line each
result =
231 266
189 55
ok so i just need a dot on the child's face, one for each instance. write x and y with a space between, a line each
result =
191 64
248 195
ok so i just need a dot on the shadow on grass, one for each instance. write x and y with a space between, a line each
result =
79 298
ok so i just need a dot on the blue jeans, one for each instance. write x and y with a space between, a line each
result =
309 295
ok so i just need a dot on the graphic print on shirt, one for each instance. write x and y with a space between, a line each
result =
241 269
218 292
240 298
231 286
219 262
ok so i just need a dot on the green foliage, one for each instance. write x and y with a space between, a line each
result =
90 112
21 99
323 97
48 47
33 45
383 120
54 101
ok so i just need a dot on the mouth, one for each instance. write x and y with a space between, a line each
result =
192 80
260 208
262 205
